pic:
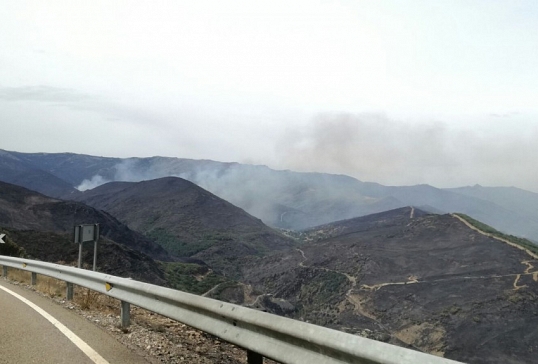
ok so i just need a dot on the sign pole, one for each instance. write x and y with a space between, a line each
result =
95 239
80 255
87 233
95 255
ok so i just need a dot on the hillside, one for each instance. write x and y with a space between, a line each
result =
41 228
22 209
187 220
113 258
425 281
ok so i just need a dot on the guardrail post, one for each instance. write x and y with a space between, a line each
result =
4 271
69 291
125 314
254 358
33 280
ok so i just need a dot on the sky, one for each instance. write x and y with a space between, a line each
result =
395 92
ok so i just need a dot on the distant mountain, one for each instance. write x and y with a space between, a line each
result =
517 201
187 220
429 282
497 211
69 167
17 171
287 199
22 209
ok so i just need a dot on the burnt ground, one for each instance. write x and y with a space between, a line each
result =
188 221
427 282
112 258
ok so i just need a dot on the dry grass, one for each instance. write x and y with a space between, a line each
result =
84 297
91 300
49 286
18 275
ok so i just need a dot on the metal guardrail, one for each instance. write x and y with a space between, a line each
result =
261 334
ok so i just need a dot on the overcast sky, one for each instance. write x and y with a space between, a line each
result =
396 92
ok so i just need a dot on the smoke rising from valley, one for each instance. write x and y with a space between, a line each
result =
374 147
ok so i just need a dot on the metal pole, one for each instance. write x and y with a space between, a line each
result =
95 256
125 314
95 240
254 358
34 279
69 291
80 255
4 271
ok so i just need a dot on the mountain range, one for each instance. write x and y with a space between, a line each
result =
283 199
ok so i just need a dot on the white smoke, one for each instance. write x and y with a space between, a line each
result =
92 183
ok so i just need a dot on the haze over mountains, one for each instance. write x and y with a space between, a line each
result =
283 199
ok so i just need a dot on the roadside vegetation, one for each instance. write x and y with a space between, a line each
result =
177 246
192 278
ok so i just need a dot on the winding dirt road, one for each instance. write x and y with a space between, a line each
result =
517 276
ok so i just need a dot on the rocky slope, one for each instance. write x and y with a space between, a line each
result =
425 281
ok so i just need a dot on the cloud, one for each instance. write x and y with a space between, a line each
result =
42 94
505 115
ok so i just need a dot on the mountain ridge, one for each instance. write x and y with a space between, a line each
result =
286 199
186 220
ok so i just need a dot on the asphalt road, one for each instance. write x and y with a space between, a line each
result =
28 337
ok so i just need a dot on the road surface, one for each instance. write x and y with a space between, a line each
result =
29 337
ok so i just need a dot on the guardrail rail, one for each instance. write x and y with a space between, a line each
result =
262 334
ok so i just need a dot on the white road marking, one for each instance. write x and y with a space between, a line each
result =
86 349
